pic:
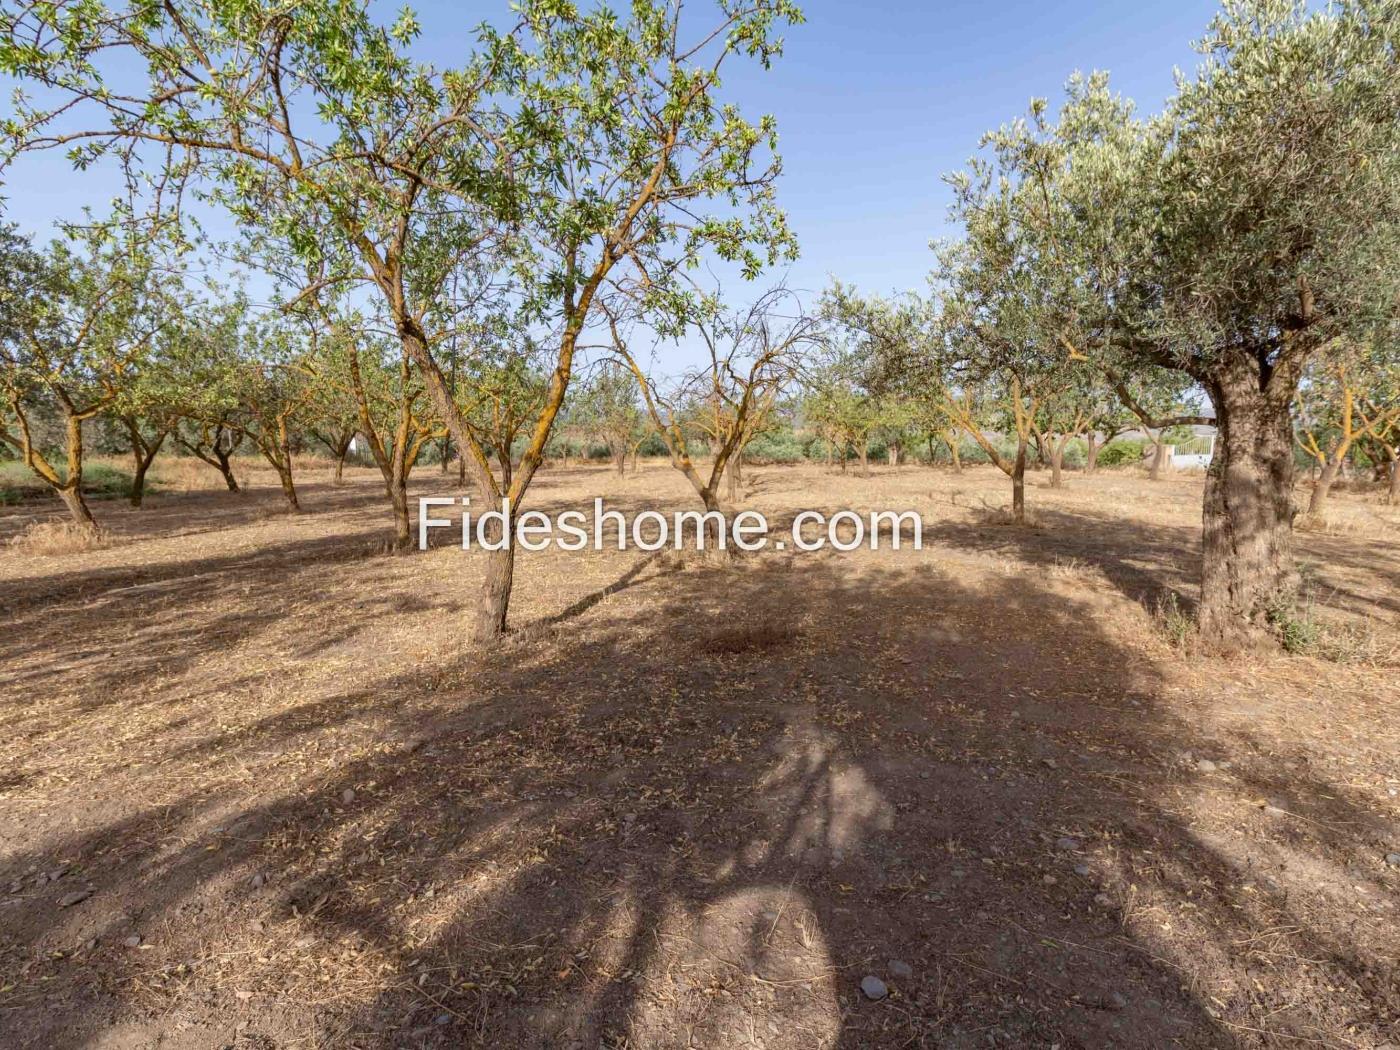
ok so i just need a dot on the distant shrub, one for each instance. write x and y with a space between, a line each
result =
776 448
1118 453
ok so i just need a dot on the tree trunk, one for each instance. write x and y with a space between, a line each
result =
1057 463
1158 446
956 455
77 507
1018 484
398 499
138 482
1247 573
340 465
620 461
864 458
1393 496
1323 487
143 455
494 607
1091 454
713 529
289 489
1042 458
226 469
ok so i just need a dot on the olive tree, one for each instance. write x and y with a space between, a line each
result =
1233 238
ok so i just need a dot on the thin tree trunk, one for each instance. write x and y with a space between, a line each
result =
138 481
226 468
1323 487
864 458
495 595
1018 484
289 489
398 499
77 506
1158 447
1091 454
143 455
1247 572
1393 496
956 455
1057 462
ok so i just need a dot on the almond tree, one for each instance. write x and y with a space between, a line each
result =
1340 403
199 380
753 354
76 322
608 409
377 377
588 139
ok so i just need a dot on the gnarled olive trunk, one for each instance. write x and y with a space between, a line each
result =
1159 448
1247 572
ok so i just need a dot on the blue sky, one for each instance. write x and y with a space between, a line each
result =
874 102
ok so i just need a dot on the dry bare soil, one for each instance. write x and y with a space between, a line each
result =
255 792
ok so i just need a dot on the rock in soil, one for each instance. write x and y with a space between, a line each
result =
873 988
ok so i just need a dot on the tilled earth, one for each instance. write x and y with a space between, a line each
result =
255 790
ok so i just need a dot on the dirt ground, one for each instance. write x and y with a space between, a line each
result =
255 792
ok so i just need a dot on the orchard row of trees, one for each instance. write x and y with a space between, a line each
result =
1243 242
448 249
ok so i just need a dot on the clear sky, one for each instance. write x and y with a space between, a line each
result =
874 102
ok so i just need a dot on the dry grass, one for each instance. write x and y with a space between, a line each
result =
53 538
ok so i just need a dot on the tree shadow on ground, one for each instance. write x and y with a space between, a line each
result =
698 822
